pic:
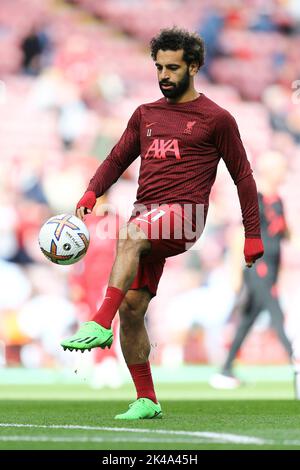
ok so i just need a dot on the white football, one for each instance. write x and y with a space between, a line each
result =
64 239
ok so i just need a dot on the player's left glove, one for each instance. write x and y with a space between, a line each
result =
253 249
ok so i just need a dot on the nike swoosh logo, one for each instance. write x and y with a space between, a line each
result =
151 124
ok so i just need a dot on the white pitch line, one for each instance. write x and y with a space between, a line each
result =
101 439
291 442
213 436
59 439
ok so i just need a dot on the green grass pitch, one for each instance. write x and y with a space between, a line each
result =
261 416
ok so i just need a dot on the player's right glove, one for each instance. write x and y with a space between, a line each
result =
87 201
253 249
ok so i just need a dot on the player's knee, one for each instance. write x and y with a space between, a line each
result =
129 315
132 311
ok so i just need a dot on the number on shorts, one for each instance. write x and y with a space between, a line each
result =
161 212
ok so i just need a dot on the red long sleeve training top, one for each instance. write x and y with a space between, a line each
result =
180 145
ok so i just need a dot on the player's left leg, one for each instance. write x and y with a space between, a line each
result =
135 346
134 338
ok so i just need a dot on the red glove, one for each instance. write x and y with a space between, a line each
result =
87 201
253 249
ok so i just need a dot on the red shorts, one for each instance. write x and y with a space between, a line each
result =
171 232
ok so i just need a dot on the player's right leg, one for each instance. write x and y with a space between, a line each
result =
131 244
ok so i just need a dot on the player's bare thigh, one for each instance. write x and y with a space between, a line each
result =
132 231
132 240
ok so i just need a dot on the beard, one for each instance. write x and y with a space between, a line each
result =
178 89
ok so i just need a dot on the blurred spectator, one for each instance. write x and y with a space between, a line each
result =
210 28
33 46
258 291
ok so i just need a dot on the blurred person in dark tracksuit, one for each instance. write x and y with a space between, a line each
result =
257 288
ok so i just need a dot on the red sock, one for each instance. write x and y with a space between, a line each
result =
142 378
110 305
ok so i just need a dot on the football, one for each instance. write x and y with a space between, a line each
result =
64 239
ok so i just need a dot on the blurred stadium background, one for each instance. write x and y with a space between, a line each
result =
71 75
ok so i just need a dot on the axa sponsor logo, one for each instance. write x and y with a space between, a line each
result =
161 149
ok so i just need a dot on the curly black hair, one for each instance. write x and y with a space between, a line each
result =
174 39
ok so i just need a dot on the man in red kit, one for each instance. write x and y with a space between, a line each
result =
180 139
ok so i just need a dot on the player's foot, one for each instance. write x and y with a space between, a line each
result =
90 335
142 408
225 381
